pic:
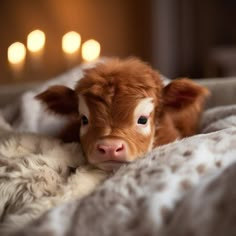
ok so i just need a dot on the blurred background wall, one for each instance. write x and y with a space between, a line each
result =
178 37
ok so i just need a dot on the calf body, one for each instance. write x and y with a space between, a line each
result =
120 110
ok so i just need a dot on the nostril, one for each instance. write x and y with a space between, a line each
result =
120 148
101 150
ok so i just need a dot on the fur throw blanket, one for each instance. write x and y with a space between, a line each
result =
190 180
38 173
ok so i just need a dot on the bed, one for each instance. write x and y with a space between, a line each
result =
183 188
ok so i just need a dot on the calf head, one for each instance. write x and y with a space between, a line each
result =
120 110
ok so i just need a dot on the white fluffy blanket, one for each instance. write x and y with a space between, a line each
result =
190 178
184 188
38 173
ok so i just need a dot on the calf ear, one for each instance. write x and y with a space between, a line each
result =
182 93
60 99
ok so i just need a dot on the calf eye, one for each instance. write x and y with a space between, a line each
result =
84 120
142 120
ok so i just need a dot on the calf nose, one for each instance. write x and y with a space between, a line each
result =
111 150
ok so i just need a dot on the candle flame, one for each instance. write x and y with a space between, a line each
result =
91 50
16 53
36 40
71 42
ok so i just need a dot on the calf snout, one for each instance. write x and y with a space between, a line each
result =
111 150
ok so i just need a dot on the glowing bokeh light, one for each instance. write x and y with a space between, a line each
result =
16 53
71 42
91 50
36 40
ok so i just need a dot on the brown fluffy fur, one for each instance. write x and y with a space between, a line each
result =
112 90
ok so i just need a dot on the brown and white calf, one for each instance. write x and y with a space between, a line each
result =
120 110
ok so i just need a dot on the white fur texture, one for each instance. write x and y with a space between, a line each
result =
144 108
137 200
35 175
141 197
84 111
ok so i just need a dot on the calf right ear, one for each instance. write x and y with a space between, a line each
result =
60 99
184 101
182 93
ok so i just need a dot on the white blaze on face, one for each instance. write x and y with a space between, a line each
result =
143 109
83 111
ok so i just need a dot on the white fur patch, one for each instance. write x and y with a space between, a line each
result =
42 163
144 108
83 110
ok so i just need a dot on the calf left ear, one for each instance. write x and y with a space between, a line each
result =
60 99
181 93
183 101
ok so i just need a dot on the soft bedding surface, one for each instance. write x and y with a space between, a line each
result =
183 188
190 180
38 173
195 174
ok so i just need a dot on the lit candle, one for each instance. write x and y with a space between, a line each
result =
16 54
91 50
35 44
70 46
